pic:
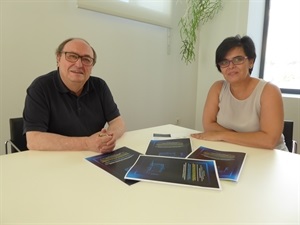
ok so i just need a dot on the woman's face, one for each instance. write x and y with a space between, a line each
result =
238 67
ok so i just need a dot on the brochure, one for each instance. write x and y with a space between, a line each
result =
229 164
173 170
180 147
116 162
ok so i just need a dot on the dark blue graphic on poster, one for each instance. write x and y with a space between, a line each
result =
180 147
229 164
117 162
201 173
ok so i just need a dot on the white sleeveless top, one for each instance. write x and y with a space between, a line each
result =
242 115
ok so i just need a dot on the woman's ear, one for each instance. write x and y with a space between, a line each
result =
251 63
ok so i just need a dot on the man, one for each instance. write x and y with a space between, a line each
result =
67 109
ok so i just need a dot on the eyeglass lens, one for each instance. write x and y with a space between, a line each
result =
73 57
236 61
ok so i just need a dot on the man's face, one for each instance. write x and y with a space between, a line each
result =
75 74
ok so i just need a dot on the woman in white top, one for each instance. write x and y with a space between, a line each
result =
242 109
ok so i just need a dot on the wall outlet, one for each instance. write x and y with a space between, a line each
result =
177 121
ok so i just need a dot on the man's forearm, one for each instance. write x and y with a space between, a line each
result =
49 141
117 127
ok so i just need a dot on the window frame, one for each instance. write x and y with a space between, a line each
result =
264 49
130 10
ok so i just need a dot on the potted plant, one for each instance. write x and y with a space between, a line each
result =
197 13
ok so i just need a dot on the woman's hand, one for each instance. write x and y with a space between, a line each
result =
209 136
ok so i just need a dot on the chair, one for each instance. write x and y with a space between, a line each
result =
17 139
288 136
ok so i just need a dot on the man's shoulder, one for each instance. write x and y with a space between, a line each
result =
97 81
45 77
44 82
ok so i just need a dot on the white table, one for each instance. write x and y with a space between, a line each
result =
64 188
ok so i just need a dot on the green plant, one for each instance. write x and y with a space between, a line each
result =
198 12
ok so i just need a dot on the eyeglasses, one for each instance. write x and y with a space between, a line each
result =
238 60
73 57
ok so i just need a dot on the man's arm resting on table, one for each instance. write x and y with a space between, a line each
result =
116 127
37 140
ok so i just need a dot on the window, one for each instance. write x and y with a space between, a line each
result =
156 12
280 62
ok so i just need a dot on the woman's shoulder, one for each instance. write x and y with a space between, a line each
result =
218 84
264 82
216 88
269 86
270 90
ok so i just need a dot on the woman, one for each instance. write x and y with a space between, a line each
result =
242 109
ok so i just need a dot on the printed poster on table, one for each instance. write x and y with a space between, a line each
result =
229 164
172 170
116 162
180 147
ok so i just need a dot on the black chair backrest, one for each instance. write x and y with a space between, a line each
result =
288 134
16 134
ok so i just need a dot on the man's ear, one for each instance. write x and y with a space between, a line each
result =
57 60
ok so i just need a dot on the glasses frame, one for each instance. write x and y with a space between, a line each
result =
79 57
232 61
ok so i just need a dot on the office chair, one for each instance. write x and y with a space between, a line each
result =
17 139
288 136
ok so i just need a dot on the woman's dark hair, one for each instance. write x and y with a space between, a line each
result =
62 45
229 43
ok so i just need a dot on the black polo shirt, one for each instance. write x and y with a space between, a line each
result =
51 107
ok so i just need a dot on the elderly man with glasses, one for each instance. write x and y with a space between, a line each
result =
68 109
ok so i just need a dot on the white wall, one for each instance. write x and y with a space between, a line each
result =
150 86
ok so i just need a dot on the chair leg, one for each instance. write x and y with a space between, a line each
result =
295 146
6 147
12 144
